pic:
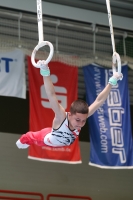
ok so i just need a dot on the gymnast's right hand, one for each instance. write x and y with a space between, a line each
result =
44 69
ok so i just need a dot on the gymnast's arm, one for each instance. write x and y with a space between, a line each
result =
100 99
56 107
104 94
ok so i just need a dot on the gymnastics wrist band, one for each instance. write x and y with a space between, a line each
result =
45 72
113 81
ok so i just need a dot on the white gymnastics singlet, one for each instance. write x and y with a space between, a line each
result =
62 136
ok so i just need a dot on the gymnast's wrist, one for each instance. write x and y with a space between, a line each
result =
113 81
45 72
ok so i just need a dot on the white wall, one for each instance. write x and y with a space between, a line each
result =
22 174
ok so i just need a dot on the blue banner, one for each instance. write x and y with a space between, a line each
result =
111 143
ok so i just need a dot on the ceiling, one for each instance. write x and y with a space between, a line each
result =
118 7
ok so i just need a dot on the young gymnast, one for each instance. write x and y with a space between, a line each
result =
66 126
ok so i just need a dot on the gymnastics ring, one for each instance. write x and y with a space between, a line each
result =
43 43
116 60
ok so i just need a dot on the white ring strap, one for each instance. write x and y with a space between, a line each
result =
110 24
115 58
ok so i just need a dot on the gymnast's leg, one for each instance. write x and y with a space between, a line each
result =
32 138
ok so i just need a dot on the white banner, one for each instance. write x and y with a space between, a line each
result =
12 74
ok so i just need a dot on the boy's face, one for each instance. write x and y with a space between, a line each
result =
77 121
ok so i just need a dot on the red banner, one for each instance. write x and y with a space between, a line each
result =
65 80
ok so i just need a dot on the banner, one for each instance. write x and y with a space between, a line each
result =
65 80
110 126
12 74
